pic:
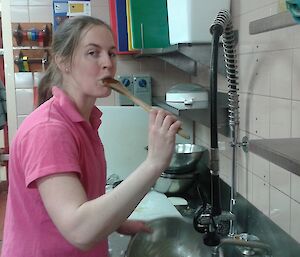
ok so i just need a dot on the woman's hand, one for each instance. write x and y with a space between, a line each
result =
131 227
163 127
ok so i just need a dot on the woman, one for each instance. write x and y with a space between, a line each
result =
57 204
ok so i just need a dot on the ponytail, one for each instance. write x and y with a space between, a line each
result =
51 78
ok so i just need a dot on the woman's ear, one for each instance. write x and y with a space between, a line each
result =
62 64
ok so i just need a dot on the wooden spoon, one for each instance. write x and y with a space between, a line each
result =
117 86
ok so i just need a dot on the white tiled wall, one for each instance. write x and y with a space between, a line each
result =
269 82
280 209
295 188
280 179
295 214
269 65
261 194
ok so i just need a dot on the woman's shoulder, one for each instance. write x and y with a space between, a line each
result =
44 118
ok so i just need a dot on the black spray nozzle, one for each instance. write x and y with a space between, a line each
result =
216 30
220 23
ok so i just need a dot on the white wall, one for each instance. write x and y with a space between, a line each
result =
269 85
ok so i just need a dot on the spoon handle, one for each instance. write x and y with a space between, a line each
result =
115 85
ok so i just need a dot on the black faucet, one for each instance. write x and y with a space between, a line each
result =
207 218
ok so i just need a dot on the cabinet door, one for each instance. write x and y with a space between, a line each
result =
149 23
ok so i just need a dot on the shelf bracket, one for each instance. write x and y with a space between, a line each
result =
181 62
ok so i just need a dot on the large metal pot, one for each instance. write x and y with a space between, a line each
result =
171 237
185 158
174 183
183 169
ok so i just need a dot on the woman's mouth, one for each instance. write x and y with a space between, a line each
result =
105 81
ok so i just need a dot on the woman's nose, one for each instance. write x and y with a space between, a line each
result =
106 61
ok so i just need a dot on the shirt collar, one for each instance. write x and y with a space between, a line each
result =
71 111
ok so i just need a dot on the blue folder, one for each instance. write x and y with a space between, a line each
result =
122 25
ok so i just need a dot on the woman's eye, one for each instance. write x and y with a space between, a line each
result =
93 53
112 54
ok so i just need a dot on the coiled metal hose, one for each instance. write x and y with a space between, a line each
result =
224 22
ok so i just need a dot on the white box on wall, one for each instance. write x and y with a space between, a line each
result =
190 20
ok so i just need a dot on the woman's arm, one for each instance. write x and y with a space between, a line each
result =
84 223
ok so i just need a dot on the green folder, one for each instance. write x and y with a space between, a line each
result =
149 24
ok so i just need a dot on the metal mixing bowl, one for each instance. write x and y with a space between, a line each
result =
174 183
171 237
185 158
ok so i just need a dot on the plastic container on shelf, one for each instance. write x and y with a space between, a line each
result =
190 20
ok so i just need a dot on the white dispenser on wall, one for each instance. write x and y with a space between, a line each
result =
127 81
142 88
190 20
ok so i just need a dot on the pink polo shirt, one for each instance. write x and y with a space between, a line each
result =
51 140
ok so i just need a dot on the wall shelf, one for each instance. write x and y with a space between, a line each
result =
276 21
199 111
284 152
186 56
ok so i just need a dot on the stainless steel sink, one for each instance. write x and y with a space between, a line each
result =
171 237
118 244
121 246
